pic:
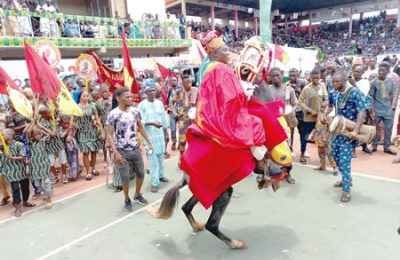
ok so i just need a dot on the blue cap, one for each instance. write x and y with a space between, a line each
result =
149 83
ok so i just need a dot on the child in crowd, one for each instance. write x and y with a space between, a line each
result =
40 163
3 181
14 168
55 147
68 133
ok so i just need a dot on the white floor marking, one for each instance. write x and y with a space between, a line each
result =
65 198
354 173
113 223
94 232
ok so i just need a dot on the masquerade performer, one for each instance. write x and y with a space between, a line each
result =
225 135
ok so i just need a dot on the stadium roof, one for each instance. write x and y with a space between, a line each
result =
291 6
201 7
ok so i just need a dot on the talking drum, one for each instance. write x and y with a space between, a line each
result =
290 117
343 126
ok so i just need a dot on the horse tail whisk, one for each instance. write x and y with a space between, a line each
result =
168 203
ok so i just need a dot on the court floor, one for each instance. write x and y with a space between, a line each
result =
300 221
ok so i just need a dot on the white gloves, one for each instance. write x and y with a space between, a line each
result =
258 152
192 113
248 88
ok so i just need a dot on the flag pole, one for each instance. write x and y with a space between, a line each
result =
4 144
53 117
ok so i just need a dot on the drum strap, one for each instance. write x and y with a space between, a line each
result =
346 95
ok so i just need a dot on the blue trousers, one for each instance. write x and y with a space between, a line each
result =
342 154
172 124
156 162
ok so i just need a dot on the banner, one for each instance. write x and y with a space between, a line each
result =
43 79
66 104
97 43
299 58
113 78
19 101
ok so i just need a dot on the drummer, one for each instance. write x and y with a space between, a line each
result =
349 102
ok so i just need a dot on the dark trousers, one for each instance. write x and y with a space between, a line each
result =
299 128
307 129
20 186
388 127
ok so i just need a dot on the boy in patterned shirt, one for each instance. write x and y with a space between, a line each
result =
14 167
56 146
40 163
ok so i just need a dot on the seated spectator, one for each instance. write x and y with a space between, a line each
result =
24 21
44 21
135 31
86 31
54 31
103 30
11 22
71 29
112 30
95 29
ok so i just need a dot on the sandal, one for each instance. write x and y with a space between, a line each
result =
36 196
397 160
64 179
28 204
4 201
95 173
303 160
338 184
88 177
346 197
290 179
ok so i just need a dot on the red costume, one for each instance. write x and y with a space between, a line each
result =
226 126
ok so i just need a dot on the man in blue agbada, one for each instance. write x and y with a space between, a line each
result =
348 101
155 123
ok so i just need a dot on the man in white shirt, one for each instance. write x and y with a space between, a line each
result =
372 71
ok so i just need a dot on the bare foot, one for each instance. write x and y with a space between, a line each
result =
198 226
238 244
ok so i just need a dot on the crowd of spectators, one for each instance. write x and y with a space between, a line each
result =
30 18
372 35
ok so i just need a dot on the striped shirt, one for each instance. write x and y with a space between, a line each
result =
56 144
40 163
15 169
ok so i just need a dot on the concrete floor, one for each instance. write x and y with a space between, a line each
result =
301 221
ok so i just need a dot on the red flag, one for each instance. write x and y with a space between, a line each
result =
280 54
113 78
5 80
129 74
163 70
43 79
